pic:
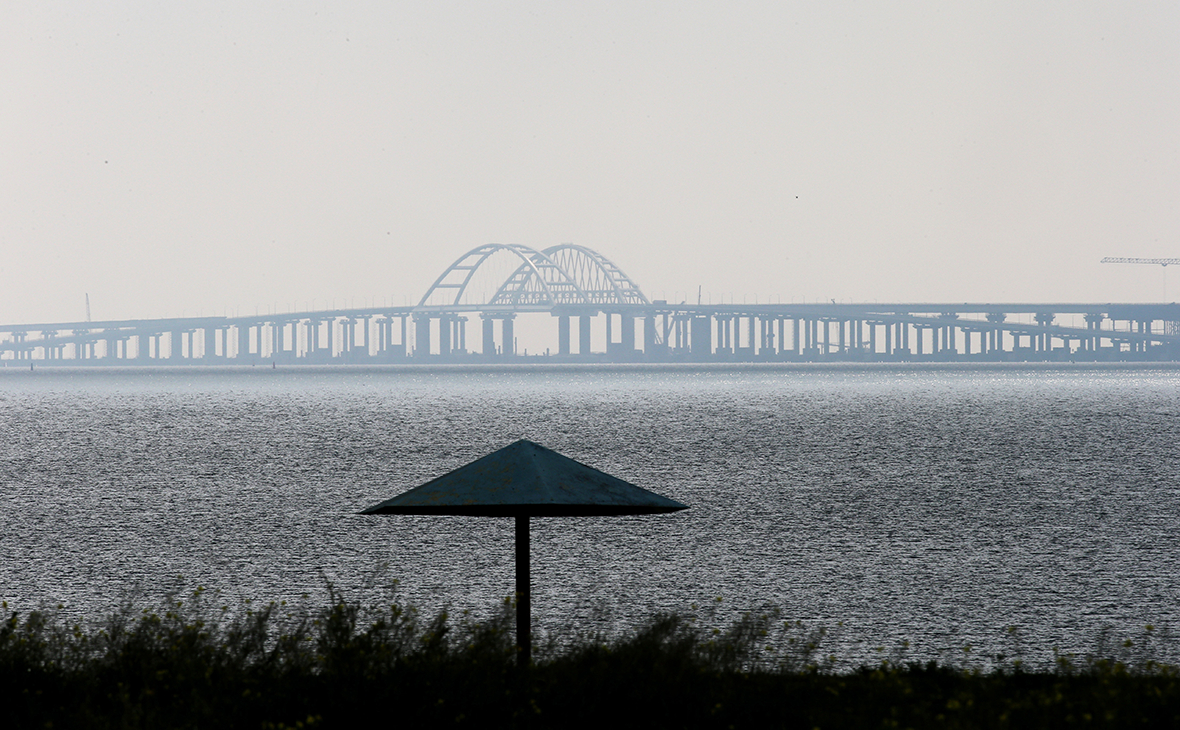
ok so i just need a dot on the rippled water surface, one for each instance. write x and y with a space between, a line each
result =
938 506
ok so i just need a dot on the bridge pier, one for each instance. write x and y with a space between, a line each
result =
489 339
563 334
452 335
422 335
311 338
701 338
384 327
765 337
625 347
1044 340
362 336
281 343
444 336
347 328
584 334
507 346
997 334
243 346
1093 323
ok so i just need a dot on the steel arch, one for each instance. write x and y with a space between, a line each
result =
598 280
597 275
541 281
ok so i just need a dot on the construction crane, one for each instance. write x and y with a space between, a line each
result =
1159 262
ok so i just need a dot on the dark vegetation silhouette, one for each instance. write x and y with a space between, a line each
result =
193 663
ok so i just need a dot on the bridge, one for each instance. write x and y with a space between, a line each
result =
584 293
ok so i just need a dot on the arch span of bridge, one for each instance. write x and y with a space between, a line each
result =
566 274
577 285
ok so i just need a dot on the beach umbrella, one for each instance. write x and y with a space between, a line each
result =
524 480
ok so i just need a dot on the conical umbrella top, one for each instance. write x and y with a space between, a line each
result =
525 478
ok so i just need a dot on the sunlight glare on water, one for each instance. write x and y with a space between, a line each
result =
938 506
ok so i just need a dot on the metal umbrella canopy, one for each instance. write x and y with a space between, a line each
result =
524 480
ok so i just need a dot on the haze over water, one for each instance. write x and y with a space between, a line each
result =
934 505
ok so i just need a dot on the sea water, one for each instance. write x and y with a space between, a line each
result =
934 506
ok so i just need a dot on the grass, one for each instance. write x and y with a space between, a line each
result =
193 663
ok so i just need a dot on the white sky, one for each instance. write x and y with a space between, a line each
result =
232 157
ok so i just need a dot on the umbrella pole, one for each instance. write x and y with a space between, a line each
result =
524 639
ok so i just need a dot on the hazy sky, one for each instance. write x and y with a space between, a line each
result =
227 157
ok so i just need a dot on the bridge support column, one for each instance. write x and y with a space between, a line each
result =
563 334
488 346
347 329
507 336
997 334
1044 338
1093 324
452 338
421 335
311 336
628 332
584 335
382 323
765 336
700 338
444 336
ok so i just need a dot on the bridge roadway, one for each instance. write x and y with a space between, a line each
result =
633 332
584 291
